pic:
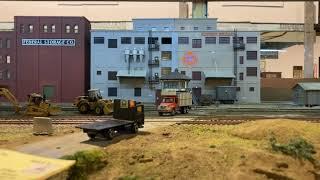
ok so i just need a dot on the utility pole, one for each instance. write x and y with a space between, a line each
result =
309 38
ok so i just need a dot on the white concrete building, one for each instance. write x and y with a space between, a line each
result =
128 64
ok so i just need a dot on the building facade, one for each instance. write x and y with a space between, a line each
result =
128 64
48 55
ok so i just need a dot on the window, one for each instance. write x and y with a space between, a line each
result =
209 28
48 91
183 40
112 43
139 40
251 89
252 40
196 75
252 55
98 40
1 60
30 28
76 29
210 40
251 71
125 40
241 60
8 43
165 70
195 28
22 29
68 28
297 72
166 29
183 72
241 76
153 29
112 91
1 43
153 40
8 59
238 89
182 28
99 73
45 28
196 43
112 75
137 92
166 55
224 40
166 40
53 28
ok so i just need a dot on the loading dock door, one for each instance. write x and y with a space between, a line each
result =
49 91
196 93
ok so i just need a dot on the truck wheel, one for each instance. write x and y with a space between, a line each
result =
109 134
83 108
187 110
98 110
160 114
183 110
91 135
134 128
173 112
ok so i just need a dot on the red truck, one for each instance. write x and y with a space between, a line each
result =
174 101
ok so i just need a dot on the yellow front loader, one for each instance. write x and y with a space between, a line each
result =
36 105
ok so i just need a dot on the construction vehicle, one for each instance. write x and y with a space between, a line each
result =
174 101
37 105
93 103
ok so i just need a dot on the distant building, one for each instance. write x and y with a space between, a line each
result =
128 64
48 55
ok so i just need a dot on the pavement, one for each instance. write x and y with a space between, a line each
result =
69 144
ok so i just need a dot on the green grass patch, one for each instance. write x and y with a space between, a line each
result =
87 162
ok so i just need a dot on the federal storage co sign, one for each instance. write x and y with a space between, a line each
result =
48 42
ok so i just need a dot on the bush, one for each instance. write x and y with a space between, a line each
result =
297 148
86 162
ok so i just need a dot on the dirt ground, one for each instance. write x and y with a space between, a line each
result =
15 135
212 152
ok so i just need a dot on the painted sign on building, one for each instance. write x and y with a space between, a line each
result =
189 59
48 42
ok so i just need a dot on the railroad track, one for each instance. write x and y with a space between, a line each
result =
85 120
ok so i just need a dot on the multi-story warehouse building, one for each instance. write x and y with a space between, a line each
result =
128 64
48 55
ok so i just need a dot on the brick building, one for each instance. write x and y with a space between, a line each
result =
48 55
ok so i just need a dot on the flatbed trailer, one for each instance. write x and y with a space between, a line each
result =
127 116
108 127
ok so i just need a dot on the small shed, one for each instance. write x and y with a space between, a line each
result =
307 94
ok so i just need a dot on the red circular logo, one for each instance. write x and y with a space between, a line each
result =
189 59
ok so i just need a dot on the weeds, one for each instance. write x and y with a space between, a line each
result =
86 162
297 148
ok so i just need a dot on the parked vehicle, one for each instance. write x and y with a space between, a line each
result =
127 116
174 101
226 94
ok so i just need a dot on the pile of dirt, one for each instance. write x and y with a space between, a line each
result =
210 152
282 129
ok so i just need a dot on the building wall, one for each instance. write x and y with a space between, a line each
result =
292 56
8 68
209 58
63 68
